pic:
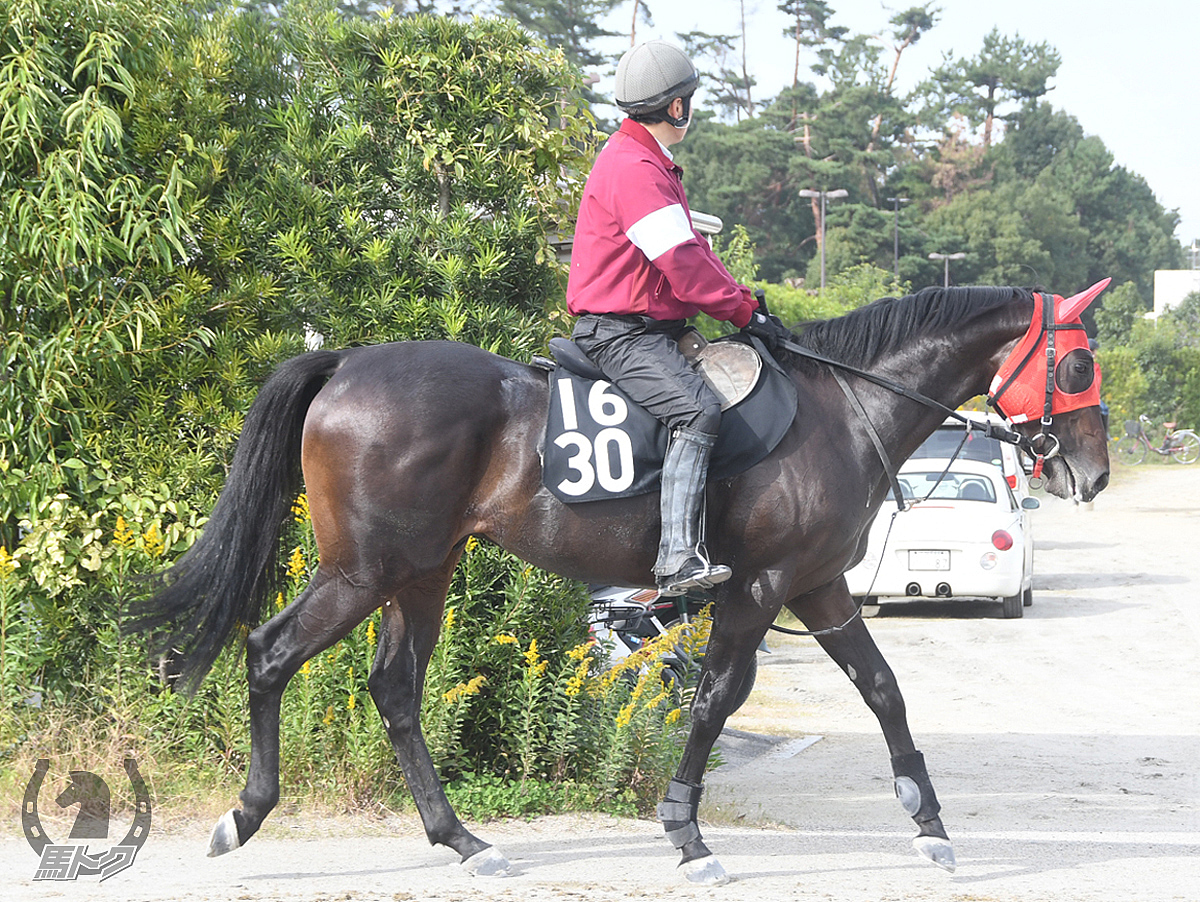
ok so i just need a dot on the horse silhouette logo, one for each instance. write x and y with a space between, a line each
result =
69 861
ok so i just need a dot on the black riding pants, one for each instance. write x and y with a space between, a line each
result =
641 357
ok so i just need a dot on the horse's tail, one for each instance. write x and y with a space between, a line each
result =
226 578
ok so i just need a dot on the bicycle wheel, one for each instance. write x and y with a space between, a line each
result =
1187 447
1130 451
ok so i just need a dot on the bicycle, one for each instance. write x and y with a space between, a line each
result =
1183 445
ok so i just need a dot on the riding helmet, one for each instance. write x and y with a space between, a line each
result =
651 75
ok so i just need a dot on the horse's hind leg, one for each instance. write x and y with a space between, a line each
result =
324 613
407 635
854 650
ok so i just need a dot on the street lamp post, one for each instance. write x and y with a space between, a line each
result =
836 194
896 202
947 258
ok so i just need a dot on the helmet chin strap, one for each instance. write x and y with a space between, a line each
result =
684 120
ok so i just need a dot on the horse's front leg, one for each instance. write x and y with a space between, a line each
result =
736 633
855 652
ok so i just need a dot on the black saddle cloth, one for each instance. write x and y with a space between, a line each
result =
600 445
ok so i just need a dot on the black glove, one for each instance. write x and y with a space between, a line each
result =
767 328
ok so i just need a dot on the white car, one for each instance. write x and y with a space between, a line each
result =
964 533
947 438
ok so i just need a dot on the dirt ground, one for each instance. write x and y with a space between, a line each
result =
1064 747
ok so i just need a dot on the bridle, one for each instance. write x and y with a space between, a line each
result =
1047 331
1045 445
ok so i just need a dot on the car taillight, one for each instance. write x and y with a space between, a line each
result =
1011 480
1002 540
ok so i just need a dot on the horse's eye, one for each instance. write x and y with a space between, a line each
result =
1075 372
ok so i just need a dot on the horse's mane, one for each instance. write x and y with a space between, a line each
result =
862 336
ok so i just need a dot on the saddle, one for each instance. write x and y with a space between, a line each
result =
600 445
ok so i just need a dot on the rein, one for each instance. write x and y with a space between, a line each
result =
992 430
1049 328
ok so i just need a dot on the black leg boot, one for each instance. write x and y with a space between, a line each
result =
682 564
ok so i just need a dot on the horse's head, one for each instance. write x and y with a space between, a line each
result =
1078 444
1049 387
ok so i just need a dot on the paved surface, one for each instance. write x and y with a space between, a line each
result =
1064 746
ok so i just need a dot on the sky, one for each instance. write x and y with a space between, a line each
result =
1130 72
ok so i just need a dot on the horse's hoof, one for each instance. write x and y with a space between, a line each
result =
224 836
937 850
706 871
488 863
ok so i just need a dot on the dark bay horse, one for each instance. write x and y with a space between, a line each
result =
408 449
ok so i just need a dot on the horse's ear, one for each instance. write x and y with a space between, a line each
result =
1073 306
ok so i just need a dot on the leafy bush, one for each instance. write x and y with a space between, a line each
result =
199 192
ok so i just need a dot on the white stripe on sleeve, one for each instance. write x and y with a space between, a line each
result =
656 233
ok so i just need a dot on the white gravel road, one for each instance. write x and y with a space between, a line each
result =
1064 747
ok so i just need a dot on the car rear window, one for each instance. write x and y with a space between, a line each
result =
953 487
945 440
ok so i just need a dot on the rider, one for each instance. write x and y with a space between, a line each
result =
638 271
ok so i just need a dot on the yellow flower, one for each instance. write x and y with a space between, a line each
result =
533 661
579 652
279 602
464 689
449 624
651 676
575 683
328 718
673 716
472 544
7 562
296 566
306 669
300 510
505 639
350 702
123 535
624 716
371 632
152 542
532 656
695 638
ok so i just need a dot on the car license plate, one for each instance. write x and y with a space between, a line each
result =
929 560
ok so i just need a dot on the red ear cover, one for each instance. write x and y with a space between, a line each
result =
1069 310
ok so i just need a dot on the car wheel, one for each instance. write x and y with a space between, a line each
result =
1027 597
1013 606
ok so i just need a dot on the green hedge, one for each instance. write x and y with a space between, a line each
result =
191 192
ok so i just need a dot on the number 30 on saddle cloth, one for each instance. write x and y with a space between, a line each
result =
600 445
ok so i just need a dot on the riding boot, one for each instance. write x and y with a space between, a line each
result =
682 564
